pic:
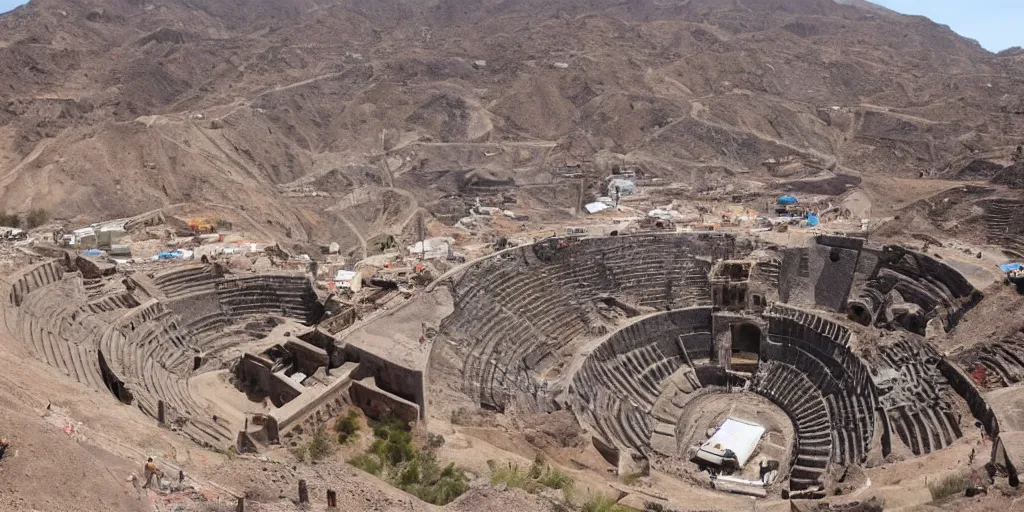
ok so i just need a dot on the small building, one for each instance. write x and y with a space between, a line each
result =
432 248
120 250
85 237
348 280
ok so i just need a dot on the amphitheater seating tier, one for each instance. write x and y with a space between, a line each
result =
915 407
515 313
838 375
793 392
107 337
621 380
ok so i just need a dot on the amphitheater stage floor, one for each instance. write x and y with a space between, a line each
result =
707 413
733 435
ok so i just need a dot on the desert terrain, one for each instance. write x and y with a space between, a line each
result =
562 255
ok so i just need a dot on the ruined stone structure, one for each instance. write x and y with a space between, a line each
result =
145 336
645 338
628 331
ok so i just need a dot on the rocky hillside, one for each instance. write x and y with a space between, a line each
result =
341 119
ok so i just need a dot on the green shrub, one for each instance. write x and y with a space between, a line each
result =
600 503
395 448
319 446
347 426
458 416
368 462
10 221
949 486
37 217
554 478
300 453
532 480
393 458
513 476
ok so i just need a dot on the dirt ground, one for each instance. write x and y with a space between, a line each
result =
307 122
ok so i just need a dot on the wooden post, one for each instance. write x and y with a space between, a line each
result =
303 492
241 504
332 499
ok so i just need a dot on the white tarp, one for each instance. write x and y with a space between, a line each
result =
595 207
626 187
343 279
737 436
432 248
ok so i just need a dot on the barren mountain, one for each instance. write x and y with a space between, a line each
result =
340 119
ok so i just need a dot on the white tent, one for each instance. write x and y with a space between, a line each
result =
347 279
739 437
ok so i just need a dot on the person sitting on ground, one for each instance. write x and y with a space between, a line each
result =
150 471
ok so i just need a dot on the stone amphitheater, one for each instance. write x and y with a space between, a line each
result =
650 341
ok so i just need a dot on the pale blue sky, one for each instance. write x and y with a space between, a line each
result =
996 24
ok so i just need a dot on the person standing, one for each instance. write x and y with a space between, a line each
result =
151 470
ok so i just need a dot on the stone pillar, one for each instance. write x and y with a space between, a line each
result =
332 499
241 504
303 492
160 412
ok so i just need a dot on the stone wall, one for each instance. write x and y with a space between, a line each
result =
381 405
308 358
255 374
398 380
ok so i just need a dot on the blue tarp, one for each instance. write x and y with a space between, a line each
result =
812 220
92 252
787 200
169 255
1010 267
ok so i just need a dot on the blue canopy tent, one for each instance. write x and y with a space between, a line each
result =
787 200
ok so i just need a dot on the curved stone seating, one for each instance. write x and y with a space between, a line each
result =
901 277
827 328
793 392
838 375
1002 361
616 389
915 408
35 278
290 296
516 312
128 341
1003 221
186 279
151 354
50 328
